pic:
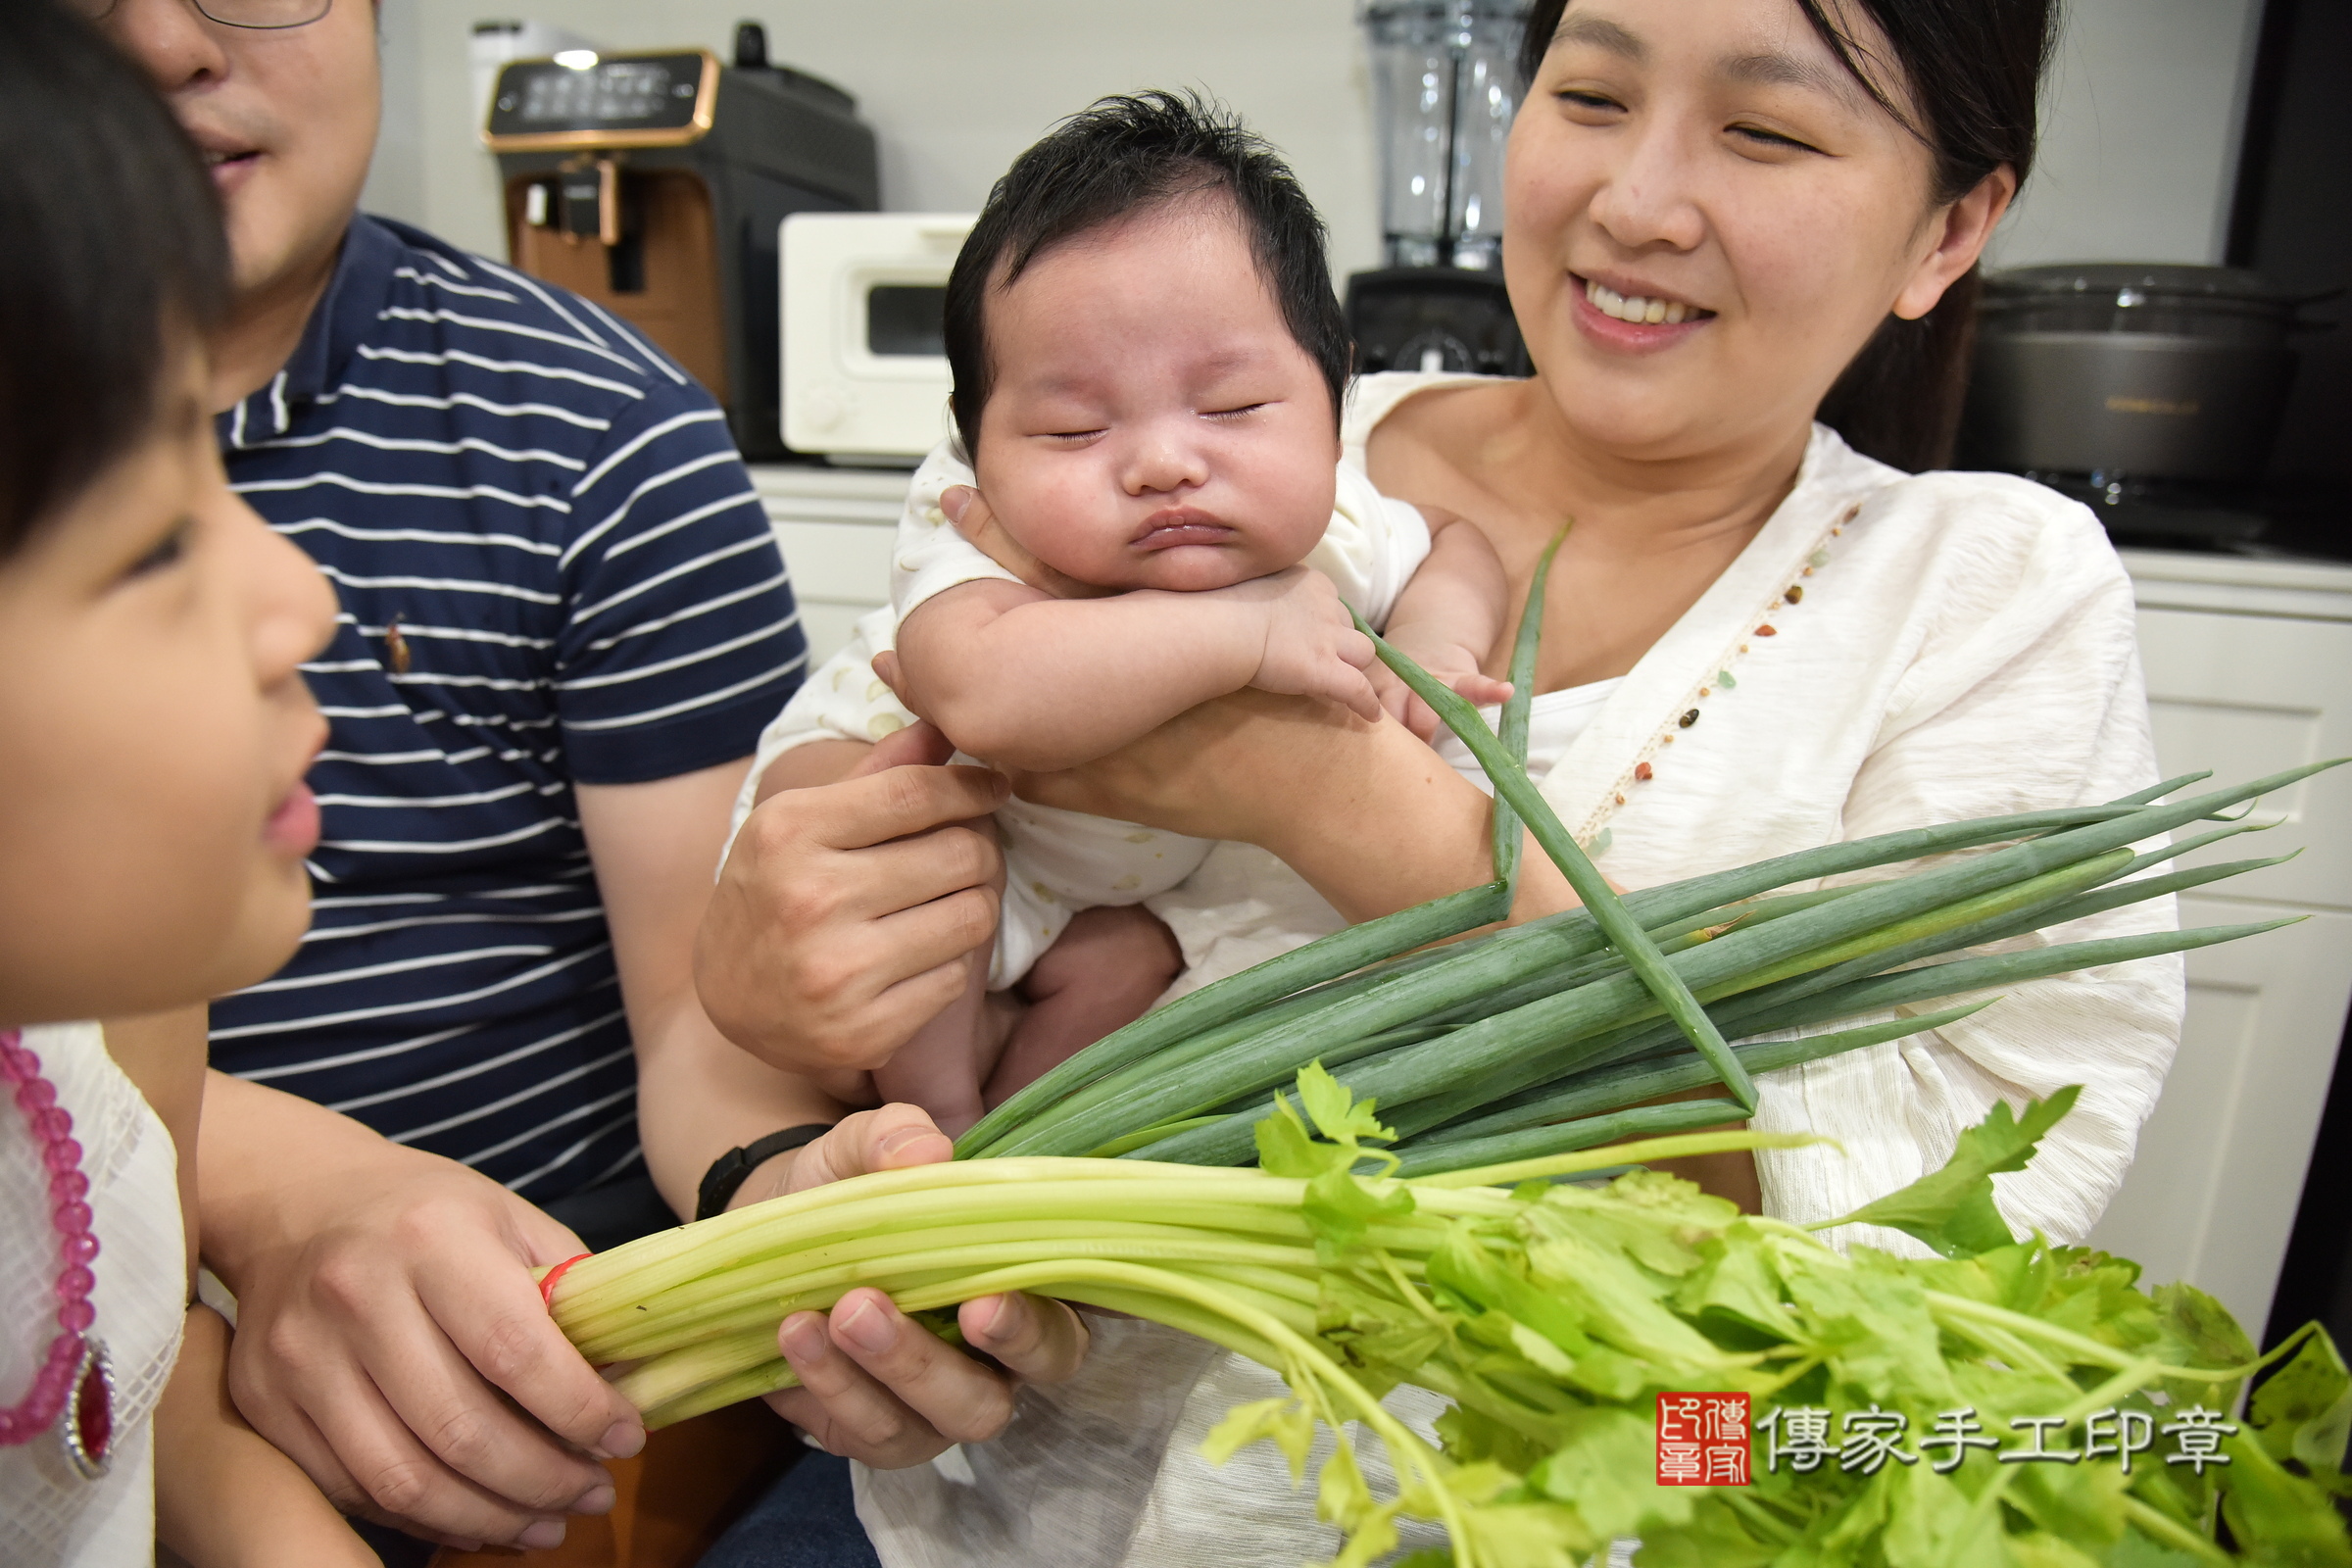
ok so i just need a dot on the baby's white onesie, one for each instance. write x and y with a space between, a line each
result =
1057 863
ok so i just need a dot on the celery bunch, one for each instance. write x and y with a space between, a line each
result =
1553 1315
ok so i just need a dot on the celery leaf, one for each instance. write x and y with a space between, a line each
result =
1951 1209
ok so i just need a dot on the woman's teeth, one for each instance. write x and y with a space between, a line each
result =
1635 307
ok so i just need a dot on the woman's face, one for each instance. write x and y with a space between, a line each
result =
1708 216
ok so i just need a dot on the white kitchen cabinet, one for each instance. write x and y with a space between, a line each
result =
2249 670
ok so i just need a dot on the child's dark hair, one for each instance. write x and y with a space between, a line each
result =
111 255
1128 155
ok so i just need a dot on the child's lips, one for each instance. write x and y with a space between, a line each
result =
293 828
1181 525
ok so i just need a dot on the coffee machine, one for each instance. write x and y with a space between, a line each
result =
654 184
1443 92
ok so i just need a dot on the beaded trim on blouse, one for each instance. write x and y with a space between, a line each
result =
1594 833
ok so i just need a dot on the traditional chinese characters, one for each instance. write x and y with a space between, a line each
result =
1703 1438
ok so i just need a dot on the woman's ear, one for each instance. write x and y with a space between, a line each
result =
1962 232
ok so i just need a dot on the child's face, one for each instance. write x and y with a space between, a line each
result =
1152 422
153 819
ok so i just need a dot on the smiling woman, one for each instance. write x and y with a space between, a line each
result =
1780 101
1735 230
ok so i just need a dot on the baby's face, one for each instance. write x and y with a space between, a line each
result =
1152 422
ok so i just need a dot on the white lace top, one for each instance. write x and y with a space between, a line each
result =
48 1514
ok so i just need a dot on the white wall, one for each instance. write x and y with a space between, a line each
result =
2138 153
956 88
2139 134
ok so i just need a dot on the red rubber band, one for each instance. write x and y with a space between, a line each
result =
547 1286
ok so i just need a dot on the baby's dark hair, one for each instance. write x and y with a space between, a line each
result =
1128 155
111 256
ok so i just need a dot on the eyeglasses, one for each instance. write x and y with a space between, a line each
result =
259 15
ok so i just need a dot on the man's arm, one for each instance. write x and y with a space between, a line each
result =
875 1385
386 1315
656 848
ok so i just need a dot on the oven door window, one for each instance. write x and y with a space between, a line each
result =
905 321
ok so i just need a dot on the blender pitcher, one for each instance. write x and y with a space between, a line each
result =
1444 89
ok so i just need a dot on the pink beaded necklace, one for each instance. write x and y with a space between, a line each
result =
74 1381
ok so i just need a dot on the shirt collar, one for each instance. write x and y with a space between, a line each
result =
344 316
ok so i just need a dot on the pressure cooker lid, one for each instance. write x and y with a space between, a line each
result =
2128 283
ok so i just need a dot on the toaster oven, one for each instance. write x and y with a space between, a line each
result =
864 358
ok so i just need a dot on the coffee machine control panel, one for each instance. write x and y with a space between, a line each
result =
582 99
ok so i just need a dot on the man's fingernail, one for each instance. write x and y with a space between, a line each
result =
620 1440
1000 1319
900 1138
867 1328
596 1499
541 1536
802 1341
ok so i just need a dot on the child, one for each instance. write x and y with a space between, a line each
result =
154 731
1149 365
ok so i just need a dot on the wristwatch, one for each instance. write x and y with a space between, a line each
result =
727 1172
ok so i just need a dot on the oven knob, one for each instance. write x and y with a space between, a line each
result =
825 407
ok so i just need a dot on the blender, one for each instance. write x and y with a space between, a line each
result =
1444 90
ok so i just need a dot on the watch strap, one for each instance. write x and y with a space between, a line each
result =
726 1174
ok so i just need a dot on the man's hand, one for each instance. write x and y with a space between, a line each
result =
391 1338
847 914
874 1384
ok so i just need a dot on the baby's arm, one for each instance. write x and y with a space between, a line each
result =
1028 681
224 1496
1447 620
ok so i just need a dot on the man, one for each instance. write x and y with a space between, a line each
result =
564 623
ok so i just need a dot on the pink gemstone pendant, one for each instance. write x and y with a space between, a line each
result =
87 1427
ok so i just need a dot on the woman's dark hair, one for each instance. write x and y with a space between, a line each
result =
1973 71
1129 155
111 255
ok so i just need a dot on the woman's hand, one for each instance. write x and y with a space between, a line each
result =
874 1384
847 914
1371 817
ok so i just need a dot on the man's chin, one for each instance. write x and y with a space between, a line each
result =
271 254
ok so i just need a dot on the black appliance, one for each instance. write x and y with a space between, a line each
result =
1434 319
2153 394
654 184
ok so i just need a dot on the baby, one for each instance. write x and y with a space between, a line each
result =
1148 365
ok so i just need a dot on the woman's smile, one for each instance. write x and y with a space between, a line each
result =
1627 317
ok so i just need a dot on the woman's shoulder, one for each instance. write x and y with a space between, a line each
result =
1949 523
1396 397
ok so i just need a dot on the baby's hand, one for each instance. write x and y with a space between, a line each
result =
1451 664
1312 646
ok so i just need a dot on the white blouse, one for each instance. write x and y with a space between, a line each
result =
49 1515
1891 651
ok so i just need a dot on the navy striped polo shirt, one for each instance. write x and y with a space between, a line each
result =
552 569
